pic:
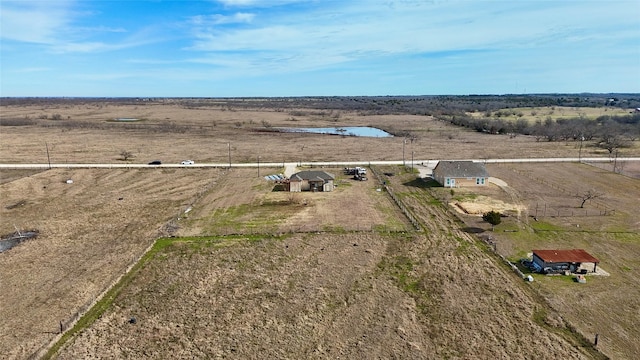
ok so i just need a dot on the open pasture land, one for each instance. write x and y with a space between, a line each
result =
338 293
541 113
608 227
451 299
173 131
90 231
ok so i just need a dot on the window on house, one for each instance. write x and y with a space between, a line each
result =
447 181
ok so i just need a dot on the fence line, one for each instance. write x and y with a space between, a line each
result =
67 324
549 211
604 209
404 210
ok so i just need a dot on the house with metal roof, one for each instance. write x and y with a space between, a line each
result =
310 180
562 260
460 173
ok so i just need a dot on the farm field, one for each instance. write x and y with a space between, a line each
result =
339 293
209 133
90 231
541 113
607 227
312 275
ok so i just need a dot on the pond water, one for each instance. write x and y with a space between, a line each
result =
15 239
363 131
126 119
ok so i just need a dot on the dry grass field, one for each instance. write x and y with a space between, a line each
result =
607 306
252 272
90 231
342 293
172 132
541 113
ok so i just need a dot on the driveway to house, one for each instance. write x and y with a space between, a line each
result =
290 169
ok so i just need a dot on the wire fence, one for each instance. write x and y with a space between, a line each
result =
69 322
596 207
545 210
405 211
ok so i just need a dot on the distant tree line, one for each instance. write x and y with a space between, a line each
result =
609 132
367 105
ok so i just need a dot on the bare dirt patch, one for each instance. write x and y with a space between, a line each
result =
484 204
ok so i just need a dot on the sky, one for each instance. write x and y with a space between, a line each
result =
273 48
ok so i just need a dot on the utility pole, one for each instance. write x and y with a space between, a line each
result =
404 141
48 158
412 161
229 145
580 151
258 165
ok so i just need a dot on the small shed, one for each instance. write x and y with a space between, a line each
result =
562 260
460 173
311 180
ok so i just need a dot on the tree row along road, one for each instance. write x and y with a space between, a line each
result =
425 163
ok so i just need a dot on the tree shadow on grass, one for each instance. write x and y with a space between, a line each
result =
422 183
473 230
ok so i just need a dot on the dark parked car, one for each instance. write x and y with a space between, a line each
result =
156 162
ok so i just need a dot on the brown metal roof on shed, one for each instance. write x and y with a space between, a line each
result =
569 256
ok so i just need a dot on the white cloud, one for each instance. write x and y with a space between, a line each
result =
219 19
55 25
258 3
34 22
324 42
347 31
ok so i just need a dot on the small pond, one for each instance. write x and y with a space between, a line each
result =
363 131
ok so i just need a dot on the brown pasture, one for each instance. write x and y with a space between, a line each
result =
608 227
350 278
171 132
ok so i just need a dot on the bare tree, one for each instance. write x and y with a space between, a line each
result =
126 155
612 143
588 195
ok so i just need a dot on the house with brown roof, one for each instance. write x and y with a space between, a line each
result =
460 173
562 260
310 180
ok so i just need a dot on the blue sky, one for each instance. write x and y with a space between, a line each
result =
219 48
